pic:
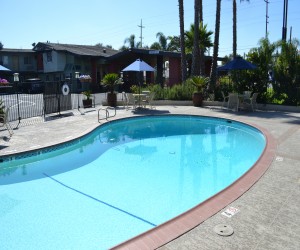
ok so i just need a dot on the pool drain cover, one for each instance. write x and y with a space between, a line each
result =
223 230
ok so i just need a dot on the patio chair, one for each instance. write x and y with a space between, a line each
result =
4 122
247 94
148 100
130 101
251 101
233 101
125 100
225 99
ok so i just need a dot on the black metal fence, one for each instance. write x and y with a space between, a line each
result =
53 98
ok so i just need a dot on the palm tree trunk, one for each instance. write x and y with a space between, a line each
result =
234 34
200 11
182 45
213 72
196 51
202 58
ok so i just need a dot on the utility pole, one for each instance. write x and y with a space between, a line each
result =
142 27
284 26
267 17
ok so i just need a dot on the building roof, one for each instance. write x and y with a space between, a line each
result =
145 52
155 53
81 50
17 50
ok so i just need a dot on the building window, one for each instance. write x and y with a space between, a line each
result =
77 67
3 60
49 56
27 60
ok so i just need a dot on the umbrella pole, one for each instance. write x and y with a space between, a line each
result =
140 95
139 78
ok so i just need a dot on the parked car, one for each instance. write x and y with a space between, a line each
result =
32 85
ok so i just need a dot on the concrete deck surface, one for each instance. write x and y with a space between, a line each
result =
269 214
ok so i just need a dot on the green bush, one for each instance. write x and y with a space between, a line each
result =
134 89
177 92
224 84
181 92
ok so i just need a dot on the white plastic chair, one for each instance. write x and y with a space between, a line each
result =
247 94
225 99
130 100
251 101
233 101
125 100
148 100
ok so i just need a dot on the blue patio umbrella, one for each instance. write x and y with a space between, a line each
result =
237 63
138 66
2 68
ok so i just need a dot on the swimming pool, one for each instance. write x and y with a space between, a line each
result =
122 179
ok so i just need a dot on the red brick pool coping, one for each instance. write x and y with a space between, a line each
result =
183 223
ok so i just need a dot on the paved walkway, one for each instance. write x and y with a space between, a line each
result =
269 214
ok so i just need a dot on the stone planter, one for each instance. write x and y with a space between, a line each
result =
88 103
111 99
197 99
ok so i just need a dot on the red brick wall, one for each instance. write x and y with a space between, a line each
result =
174 71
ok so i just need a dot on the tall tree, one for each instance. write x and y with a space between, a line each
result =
234 32
204 38
174 44
287 71
234 35
202 58
182 45
163 40
131 42
162 43
213 72
196 51
264 58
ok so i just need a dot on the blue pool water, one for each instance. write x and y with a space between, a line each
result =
123 179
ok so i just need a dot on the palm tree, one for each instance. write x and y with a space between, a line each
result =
174 44
182 45
213 72
234 32
131 41
204 38
196 51
155 46
162 43
163 40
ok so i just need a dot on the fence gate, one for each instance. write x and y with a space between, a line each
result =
57 97
21 104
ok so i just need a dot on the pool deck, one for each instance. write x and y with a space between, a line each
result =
268 214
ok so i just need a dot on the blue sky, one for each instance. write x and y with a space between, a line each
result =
88 22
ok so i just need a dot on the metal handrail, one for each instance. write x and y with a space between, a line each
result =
107 114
